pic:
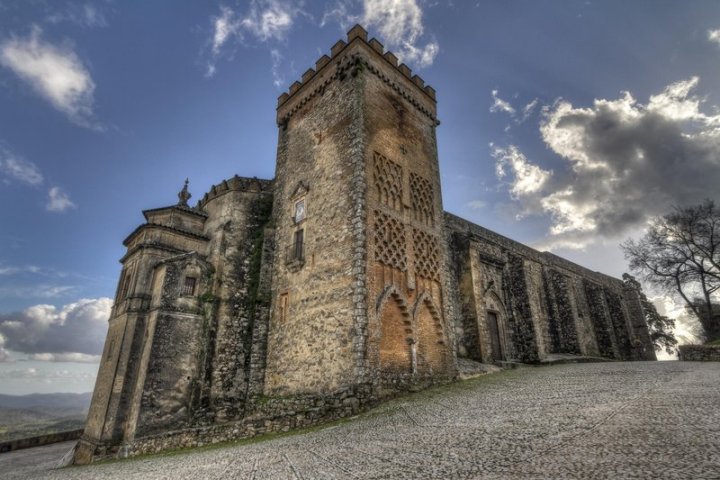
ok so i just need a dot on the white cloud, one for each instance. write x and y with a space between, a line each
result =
399 23
528 110
76 332
4 354
16 270
15 168
58 201
340 12
714 36
476 205
266 20
624 163
500 105
526 179
56 73
85 15
65 357
224 26
269 19
276 58
37 291
59 377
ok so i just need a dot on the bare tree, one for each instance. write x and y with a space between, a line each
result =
680 253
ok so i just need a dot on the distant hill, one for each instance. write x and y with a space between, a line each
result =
24 416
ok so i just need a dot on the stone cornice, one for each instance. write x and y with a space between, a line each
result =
163 227
149 246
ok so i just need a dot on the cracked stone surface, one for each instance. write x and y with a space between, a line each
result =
603 420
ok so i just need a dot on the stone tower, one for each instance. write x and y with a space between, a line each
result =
359 291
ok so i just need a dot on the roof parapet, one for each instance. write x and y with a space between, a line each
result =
236 183
356 32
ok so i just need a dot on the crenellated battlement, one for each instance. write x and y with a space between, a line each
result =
236 183
356 34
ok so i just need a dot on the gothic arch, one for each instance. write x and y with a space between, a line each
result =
391 291
396 332
430 335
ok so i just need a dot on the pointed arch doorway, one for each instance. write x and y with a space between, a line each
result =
497 353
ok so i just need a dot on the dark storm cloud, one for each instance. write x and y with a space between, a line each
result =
626 162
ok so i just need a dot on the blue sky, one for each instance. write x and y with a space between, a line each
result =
565 124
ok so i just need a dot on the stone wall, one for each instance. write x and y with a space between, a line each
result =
39 440
265 415
313 328
528 304
699 353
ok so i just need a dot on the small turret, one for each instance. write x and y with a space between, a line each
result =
184 195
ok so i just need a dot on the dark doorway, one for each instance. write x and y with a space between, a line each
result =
494 332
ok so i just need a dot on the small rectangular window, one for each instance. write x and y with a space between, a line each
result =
299 247
189 287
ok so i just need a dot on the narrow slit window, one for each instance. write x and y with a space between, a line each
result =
283 307
189 286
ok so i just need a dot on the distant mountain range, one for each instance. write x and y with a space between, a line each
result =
23 416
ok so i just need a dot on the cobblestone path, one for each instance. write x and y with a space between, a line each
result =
606 420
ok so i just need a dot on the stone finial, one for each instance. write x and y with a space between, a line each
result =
184 195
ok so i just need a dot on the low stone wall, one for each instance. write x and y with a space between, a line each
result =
268 415
39 440
700 353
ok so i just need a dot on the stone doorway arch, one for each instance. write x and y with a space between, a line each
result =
496 329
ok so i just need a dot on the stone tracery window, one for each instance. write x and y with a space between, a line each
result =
427 255
390 241
422 199
388 179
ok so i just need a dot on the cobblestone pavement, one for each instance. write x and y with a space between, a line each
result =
603 420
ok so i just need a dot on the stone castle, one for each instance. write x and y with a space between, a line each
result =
275 304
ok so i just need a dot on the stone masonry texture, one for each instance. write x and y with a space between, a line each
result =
283 303
615 420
